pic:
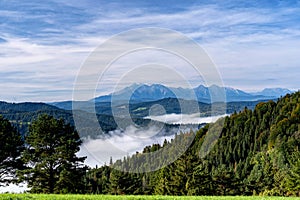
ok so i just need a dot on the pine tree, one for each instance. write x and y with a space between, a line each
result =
11 146
50 156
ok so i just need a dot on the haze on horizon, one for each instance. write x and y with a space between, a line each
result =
43 44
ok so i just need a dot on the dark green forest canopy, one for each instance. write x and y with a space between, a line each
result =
256 153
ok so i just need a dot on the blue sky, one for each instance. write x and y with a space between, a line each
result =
254 44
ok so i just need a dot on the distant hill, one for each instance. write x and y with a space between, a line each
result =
27 106
178 106
22 114
170 105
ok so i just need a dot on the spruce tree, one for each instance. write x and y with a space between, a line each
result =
292 181
163 181
201 180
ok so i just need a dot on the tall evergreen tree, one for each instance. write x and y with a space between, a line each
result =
50 156
201 180
163 184
292 181
11 146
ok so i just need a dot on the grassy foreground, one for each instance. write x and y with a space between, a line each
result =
125 197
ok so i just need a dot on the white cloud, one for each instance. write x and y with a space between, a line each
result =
31 67
243 42
185 118
119 145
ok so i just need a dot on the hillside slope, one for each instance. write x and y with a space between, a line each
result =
258 152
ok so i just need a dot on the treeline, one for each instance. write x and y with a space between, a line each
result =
257 152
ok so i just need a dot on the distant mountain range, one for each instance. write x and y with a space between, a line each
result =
143 92
143 99
276 92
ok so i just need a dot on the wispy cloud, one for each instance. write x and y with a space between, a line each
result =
46 42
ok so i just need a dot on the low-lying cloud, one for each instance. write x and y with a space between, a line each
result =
184 118
119 144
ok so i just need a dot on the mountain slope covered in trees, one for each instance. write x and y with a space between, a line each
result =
257 153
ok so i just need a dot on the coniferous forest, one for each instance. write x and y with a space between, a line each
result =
257 153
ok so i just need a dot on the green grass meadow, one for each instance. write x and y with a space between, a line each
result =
137 197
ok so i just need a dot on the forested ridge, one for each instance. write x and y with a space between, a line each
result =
21 115
252 152
256 153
